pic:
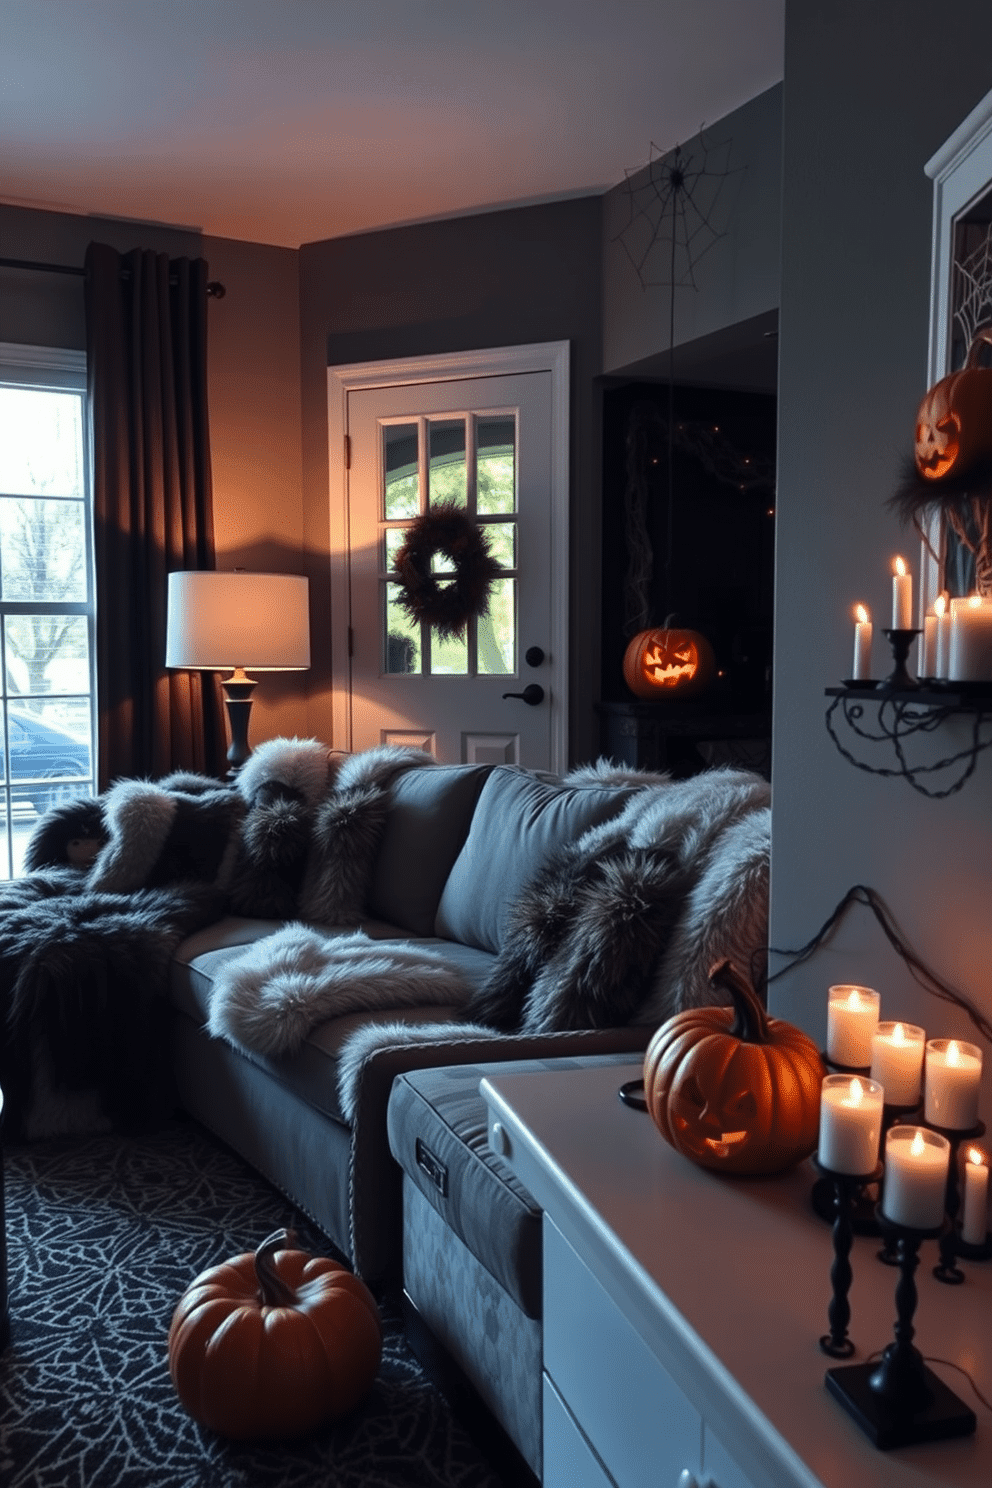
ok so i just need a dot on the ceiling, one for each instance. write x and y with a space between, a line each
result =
290 121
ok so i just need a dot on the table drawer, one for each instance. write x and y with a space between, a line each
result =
569 1461
630 1408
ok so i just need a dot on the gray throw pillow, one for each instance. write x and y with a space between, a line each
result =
518 822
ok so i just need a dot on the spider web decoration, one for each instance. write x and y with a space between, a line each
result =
671 224
973 288
672 209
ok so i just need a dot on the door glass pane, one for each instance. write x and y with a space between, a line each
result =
448 475
502 540
496 466
43 550
449 658
401 496
47 654
402 649
41 443
395 538
497 631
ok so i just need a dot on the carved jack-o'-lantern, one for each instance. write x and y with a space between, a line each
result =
731 1088
954 422
666 660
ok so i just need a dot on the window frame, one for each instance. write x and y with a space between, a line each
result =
60 369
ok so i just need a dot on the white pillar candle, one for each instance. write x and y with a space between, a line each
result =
974 1225
850 1124
970 657
852 1017
943 617
952 1079
902 596
926 663
861 668
897 1062
914 1188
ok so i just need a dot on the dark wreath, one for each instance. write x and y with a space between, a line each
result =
446 601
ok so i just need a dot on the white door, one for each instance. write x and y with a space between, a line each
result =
488 443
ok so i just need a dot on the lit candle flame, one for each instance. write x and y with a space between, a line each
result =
976 1156
953 1053
974 601
917 1147
899 566
940 604
861 614
899 1035
855 1092
854 1001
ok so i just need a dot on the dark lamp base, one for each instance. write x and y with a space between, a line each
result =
943 1415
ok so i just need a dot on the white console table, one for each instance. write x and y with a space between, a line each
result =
682 1311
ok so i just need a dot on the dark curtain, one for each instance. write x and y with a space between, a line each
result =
146 345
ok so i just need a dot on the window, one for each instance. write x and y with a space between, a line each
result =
47 641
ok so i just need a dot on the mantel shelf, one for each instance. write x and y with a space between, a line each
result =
906 713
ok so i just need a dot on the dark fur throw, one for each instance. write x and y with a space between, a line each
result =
114 885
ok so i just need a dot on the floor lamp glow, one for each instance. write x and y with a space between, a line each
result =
229 621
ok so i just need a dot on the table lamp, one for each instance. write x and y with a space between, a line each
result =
218 621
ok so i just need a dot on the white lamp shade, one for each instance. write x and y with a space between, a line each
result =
218 621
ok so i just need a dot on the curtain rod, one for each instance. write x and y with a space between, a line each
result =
215 290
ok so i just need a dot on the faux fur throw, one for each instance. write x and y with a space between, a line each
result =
312 829
268 999
603 934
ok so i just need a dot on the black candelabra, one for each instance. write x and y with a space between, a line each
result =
905 710
899 1400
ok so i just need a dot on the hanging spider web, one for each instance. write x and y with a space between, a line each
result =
973 289
674 209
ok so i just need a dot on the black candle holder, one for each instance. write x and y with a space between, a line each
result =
893 1115
846 1187
899 679
899 1401
951 1243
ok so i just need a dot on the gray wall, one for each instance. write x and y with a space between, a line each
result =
529 274
863 111
737 273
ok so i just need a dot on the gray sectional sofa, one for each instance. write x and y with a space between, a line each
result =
458 847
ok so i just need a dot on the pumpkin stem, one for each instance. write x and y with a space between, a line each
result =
272 1290
750 1019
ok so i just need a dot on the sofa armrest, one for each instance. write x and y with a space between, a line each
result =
374 1179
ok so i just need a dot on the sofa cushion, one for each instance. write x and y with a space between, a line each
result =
430 812
518 822
438 1133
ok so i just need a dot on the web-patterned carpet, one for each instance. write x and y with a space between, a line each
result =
104 1234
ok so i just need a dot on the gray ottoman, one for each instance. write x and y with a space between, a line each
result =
472 1239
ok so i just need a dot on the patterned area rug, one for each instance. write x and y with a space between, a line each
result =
103 1236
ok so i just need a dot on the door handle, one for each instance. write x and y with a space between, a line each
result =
532 694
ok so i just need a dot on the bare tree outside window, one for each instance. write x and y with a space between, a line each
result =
46 600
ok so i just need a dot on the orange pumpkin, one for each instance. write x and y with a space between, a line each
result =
732 1088
954 422
275 1343
666 660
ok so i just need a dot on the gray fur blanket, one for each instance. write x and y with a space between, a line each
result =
269 998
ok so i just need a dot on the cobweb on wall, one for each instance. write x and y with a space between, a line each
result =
972 286
673 211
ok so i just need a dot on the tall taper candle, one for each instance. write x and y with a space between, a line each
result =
861 669
974 1226
902 596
